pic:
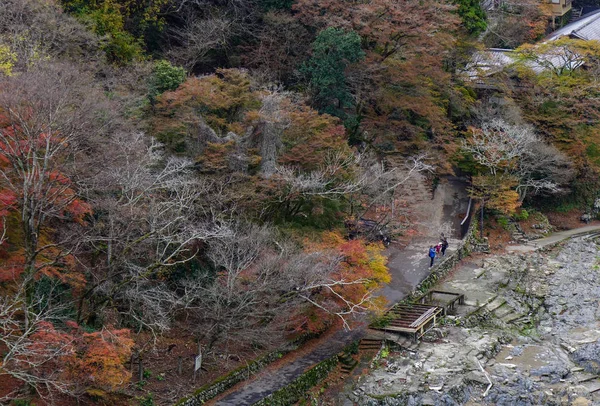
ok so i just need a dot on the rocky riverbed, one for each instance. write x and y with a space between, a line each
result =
530 328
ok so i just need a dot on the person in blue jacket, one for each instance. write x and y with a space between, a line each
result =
431 254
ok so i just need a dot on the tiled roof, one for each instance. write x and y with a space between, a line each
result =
490 61
586 28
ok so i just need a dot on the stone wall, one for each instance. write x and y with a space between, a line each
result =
227 381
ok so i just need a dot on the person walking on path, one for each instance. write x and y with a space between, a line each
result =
444 241
431 255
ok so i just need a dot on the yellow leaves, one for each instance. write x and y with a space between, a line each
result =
332 239
497 191
7 60
378 263
361 259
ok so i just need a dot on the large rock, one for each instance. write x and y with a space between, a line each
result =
588 357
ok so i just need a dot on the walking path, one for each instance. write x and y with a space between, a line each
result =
408 267
442 214
552 239
272 381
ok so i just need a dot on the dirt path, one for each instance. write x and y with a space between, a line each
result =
435 214
273 380
553 239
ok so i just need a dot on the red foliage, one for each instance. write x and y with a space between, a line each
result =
33 190
75 361
99 359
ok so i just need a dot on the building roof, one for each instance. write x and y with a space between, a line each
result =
490 61
586 28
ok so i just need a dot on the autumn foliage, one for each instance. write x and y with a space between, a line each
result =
34 189
207 204
99 358
74 361
363 271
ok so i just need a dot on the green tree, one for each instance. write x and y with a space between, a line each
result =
165 77
472 15
107 19
333 50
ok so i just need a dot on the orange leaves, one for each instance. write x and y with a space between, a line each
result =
100 358
362 260
221 100
361 271
78 360
497 191
13 264
47 335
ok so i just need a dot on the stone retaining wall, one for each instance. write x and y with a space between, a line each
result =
225 382
240 374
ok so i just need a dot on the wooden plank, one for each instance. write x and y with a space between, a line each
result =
413 305
401 324
442 292
400 329
421 320
407 313
429 313
426 315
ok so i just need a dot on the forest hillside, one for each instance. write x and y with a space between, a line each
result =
181 177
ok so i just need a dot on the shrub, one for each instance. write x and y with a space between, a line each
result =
165 77
521 215
503 222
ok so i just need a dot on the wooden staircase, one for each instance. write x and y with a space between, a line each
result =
575 14
369 344
347 363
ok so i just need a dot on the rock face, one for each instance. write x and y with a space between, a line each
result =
588 357
533 332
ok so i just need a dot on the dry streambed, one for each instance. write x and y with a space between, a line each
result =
531 328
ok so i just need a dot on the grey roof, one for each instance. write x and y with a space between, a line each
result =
489 61
586 28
